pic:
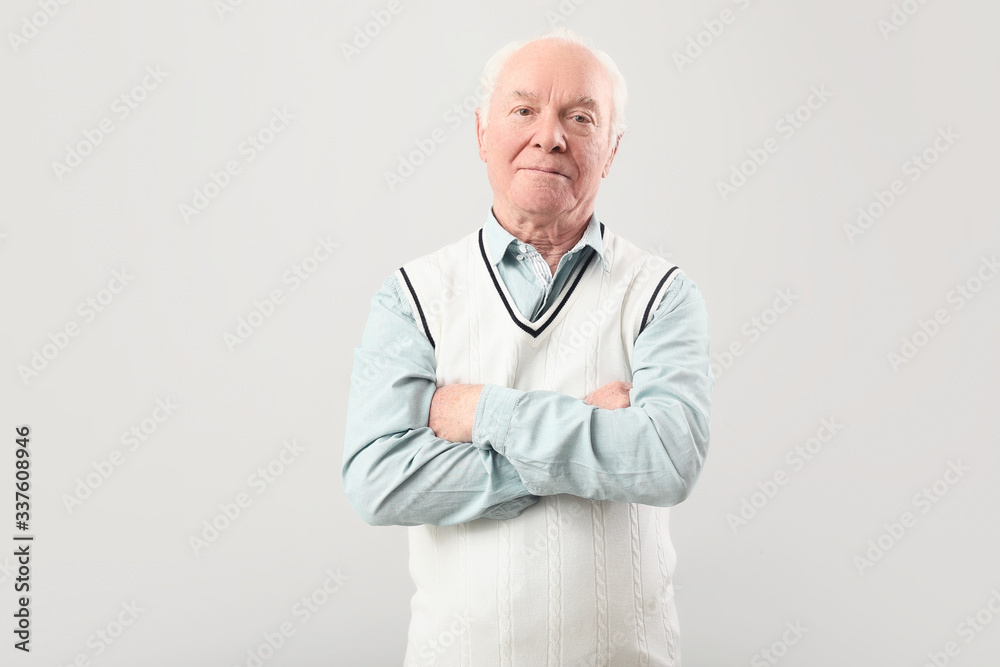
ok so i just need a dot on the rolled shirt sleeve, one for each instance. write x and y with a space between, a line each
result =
396 471
651 452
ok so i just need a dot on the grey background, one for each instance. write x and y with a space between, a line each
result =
162 336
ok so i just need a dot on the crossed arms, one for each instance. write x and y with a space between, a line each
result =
416 453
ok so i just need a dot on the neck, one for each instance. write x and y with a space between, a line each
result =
551 236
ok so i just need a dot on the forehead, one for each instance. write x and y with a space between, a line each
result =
550 68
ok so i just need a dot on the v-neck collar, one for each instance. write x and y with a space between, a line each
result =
553 312
499 239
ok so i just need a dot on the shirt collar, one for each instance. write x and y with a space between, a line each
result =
499 239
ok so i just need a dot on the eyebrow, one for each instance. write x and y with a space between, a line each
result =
521 95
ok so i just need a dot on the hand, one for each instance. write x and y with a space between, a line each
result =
611 396
453 411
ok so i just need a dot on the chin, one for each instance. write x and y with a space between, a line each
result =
543 202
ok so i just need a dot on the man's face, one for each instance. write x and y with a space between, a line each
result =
548 141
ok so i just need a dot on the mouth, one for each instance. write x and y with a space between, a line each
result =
543 170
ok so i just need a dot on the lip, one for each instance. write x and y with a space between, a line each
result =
543 170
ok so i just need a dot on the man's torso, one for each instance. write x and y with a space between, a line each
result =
570 581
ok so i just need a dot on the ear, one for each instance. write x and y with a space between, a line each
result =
611 158
480 134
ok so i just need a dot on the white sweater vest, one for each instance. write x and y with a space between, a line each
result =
571 581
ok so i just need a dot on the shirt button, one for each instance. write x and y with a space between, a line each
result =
523 248
520 256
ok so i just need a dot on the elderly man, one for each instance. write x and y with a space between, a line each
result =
531 398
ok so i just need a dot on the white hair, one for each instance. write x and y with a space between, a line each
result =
496 63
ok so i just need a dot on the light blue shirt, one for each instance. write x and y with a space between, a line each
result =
525 444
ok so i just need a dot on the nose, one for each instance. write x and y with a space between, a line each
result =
550 135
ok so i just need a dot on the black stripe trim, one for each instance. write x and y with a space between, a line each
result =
510 311
602 230
649 306
420 310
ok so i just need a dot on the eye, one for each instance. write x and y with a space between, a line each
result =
580 118
518 111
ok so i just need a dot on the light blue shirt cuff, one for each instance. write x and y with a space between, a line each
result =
494 414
